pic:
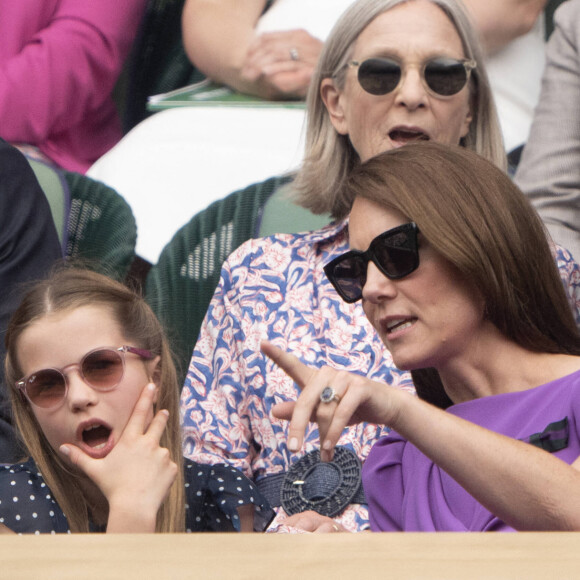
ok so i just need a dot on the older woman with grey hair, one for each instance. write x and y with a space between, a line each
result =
392 72
329 147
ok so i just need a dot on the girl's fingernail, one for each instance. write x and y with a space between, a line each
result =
327 446
151 386
64 450
293 444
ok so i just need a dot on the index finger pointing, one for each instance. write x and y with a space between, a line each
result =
288 363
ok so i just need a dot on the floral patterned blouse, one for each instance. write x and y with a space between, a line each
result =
275 288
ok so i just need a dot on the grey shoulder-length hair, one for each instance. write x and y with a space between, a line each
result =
330 157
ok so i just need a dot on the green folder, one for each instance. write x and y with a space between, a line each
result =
209 94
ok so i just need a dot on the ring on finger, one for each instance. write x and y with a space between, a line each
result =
328 395
293 54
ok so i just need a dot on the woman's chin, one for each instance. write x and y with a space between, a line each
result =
407 363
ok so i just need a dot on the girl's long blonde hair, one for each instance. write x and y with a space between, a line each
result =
65 290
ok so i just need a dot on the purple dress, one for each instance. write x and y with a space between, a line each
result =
275 288
406 491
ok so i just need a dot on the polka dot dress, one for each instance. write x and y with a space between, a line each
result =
26 503
213 494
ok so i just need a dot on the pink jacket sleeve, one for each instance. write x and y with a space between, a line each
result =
60 61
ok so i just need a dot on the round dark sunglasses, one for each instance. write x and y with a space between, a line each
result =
394 252
102 369
442 76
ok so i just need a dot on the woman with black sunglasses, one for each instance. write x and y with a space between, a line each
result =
454 272
94 397
391 72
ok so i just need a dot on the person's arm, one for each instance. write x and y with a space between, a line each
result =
68 69
220 39
549 170
524 486
217 35
280 64
501 21
246 514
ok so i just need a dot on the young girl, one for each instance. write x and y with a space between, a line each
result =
95 399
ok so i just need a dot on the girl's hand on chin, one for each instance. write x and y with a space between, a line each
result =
137 474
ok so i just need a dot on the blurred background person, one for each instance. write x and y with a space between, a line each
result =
59 63
549 172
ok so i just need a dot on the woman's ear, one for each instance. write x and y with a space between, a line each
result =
467 123
472 106
331 97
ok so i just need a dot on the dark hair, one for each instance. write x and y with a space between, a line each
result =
474 216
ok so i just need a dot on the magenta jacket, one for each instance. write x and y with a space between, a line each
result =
59 62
